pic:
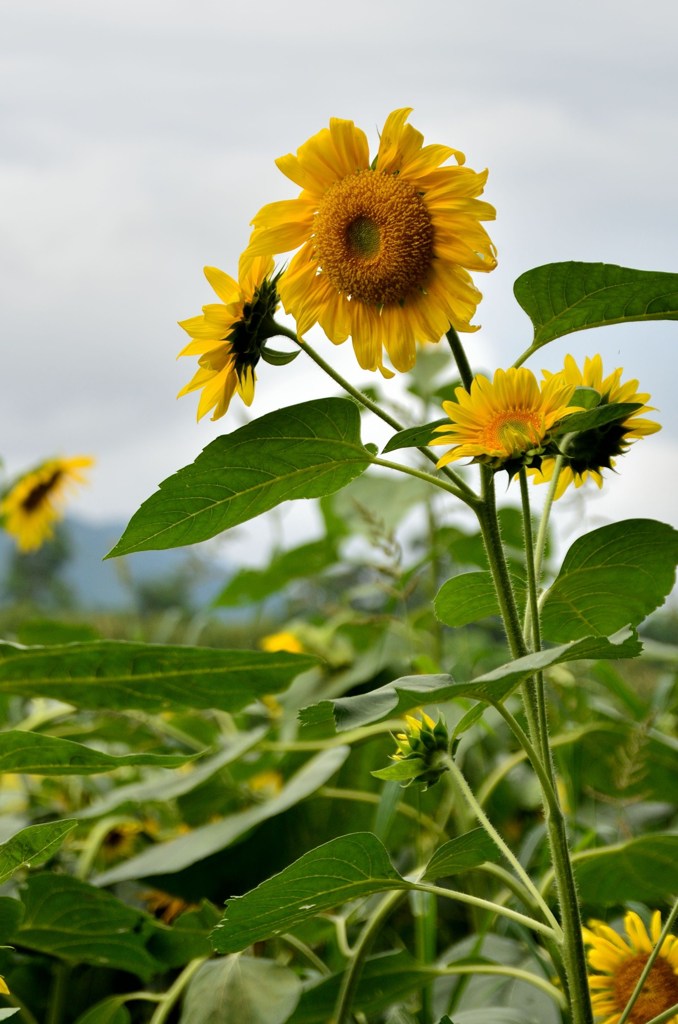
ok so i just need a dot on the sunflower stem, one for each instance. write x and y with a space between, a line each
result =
542 533
572 943
666 1015
535 630
460 358
507 972
494 549
548 789
359 952
493 908
364 400
173 994
428 477
373 407
506 851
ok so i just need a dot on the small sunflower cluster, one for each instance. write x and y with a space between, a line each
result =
514 421
422 754
383 249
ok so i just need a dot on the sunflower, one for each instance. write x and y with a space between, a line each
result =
422 749
591 451
621 963
284 641
30 507
384 246
505 422
229 336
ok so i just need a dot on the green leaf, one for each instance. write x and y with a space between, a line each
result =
612 577
251 585
242 988
188 938
44 631
160 788
461 854
401 696
560 298
11 915
32 846
109 1011
416 437
167 858
5 1014
470 596
76 922
619 760
343 869
304 451
116 674
35 754
386 980
643 869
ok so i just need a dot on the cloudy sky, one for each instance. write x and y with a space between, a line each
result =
138 138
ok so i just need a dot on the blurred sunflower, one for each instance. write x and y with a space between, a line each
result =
31 506
229 336
505 422
591 451
384 246
283 641
620 963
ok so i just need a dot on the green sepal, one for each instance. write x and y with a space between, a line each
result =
275 358
407 769
578 422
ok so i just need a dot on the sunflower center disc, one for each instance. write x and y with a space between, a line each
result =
513 433
659 993
374 238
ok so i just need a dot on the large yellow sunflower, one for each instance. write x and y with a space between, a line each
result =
386 245
503 422
229 336
620 963
30 508
592 451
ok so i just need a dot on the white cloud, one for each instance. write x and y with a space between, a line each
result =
141 140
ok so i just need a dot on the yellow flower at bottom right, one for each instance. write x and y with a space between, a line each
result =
618 963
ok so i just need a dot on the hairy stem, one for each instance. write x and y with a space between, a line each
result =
349 982
499 842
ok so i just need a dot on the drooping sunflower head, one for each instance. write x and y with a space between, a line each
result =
32 504
618 963
588 453
229 337
385 246
504 423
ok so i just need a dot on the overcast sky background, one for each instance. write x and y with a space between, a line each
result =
137 140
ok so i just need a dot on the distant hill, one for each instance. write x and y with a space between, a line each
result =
115 584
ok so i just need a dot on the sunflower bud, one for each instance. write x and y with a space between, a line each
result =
422 754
